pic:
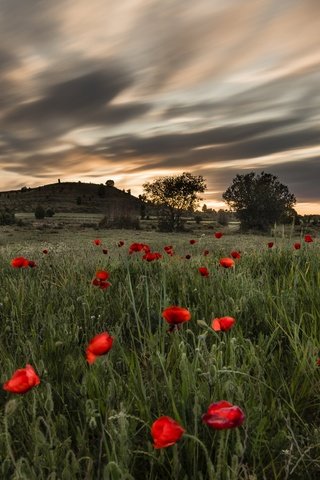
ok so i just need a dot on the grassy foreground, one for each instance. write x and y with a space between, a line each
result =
93 422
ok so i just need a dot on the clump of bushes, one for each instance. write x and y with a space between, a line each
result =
7 216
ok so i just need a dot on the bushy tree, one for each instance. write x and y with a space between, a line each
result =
259 200
174 195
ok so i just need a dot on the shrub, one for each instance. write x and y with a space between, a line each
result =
7 217
50 212
39 212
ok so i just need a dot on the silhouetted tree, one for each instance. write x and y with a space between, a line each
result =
259 200
174 195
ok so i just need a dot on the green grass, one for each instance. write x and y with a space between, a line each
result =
93 422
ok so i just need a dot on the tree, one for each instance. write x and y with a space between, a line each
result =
174 195
259 200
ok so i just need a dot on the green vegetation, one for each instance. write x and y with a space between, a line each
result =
260 201
93 422
174 195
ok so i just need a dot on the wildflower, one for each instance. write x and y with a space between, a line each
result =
218 234
22 380
175 316
226 262
120 243
204 272
206 252
222 415
270 244
297 246
308 239
138 247
166 432
100 280
31 264
98 345
97 241
192 242
19 262
169 250
105 251
188 257
235 254
318 362
102 275
223 323
149 256
45 251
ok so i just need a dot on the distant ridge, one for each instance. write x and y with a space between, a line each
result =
69 197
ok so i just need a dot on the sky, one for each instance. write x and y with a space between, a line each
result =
132 90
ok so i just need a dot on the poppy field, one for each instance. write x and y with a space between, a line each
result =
132 356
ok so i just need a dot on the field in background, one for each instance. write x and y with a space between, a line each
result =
93 422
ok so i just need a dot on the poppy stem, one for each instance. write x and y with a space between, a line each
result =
211 473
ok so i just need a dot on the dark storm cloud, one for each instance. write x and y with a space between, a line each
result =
78 99
301 177
224 143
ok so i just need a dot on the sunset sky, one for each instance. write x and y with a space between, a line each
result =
131 90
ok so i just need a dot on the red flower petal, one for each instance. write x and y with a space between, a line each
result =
223 415
22 380
176 315
165 432
98 345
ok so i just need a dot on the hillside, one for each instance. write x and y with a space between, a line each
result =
72 197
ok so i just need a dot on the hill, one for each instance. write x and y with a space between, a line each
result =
73 197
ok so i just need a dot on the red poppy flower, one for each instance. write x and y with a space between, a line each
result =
100 279
297 246
176 315
19 262
235 254
105 251
223 323
22 380
206 252
165 432
308 239
226 262
222 415
188 257
120 243
151 256
97 241
102 275
218 234
169 250
192 242
98 345
45 251
204 272
318 362
138 247
31 264
270 244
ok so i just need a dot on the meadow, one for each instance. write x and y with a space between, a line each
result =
93 421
